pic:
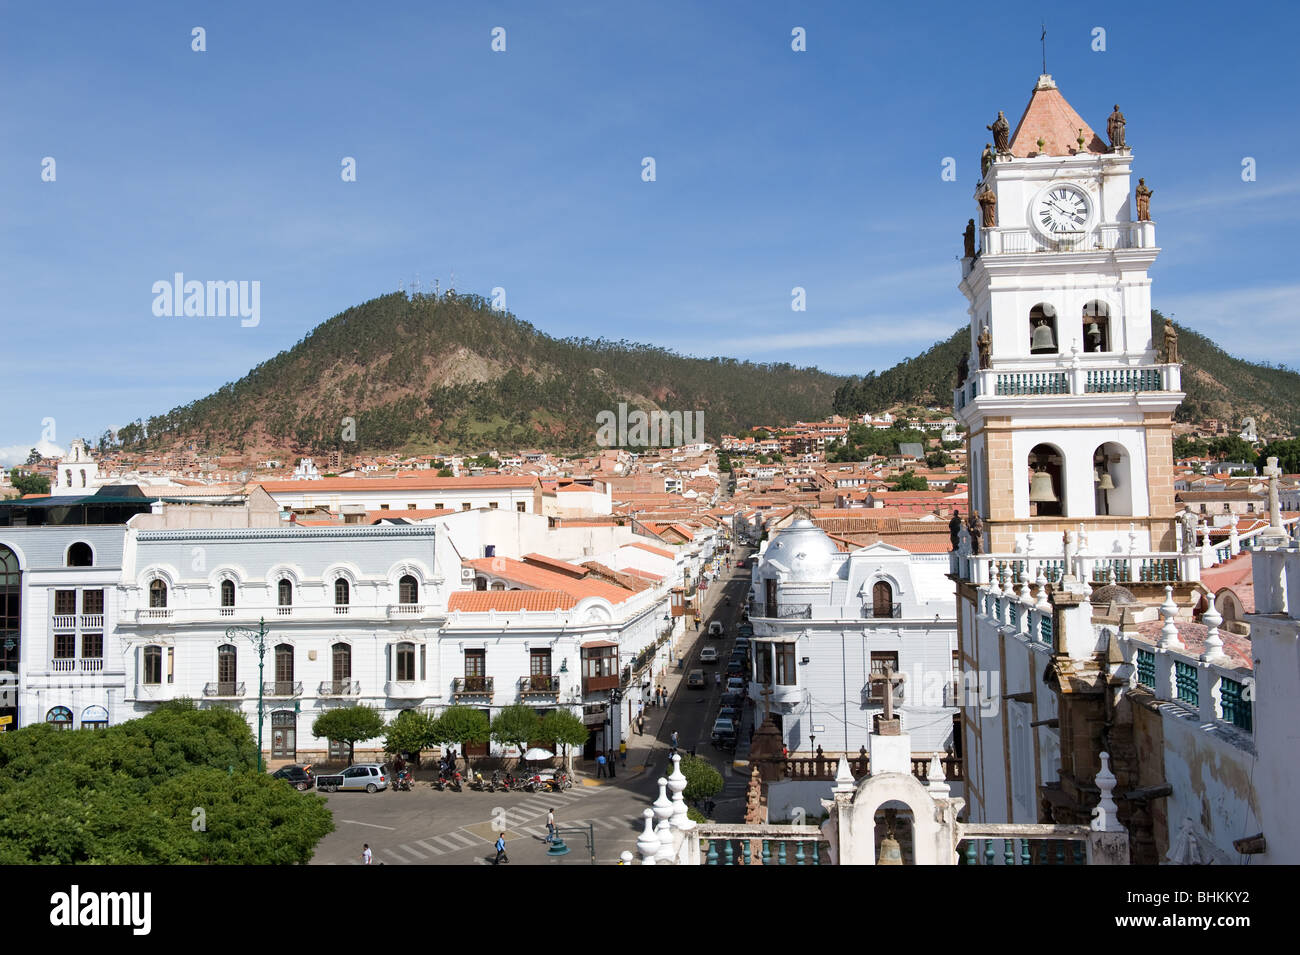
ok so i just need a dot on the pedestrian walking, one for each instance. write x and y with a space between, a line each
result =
550 825
640 725
600 765
717 679
674 740
622 753
501 850
366 854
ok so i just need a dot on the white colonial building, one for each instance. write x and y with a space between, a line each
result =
826 621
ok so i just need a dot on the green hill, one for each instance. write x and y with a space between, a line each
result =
1217 385
450 373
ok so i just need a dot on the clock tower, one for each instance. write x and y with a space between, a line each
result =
1067 402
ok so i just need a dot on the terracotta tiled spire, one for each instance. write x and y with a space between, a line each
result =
1050 118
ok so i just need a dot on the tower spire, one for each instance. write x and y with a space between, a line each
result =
1043 39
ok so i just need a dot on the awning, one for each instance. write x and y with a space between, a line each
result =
592 644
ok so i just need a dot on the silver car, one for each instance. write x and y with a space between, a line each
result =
368 776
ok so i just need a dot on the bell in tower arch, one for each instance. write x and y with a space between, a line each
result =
1042 340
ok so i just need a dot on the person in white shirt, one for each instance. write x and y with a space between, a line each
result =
366 854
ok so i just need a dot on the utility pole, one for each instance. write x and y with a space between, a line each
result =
258 638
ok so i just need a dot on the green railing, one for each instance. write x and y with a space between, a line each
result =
1186 685
1158 570
1236 708
1107 381
774 852
1033 383
1045 627
1146 669
1022 852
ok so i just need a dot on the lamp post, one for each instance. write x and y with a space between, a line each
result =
258 639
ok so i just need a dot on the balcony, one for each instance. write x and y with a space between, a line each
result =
63 621
154 615
336 688
63 665
284 688
1107 238
795 611
895 611
466 686
406 610
1085 374
536 686
155 692
407 689
223 691
598 684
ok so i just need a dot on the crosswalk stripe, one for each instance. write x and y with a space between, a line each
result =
603 824
464 838
449 844
392 854
534 831
432 849
413 851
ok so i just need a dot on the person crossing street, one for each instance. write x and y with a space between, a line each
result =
501 850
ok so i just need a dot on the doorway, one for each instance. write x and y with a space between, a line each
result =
284 735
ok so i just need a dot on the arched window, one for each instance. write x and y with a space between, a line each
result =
342 593
152 665
157 593
1096 327
283 670
10 619
285 590
408 591
1042 330
404 655
60 718
83 477
1112 480
1046 482
882 599
342 667
227 593
227 668
80 555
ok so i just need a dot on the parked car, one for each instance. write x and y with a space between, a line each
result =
724 733
299 777
695 680
733 697
367 776
736 668
709 654
730 712
736 683
715 628
742 641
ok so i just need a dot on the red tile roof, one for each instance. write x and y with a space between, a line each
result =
1192 635
539 578
652 549
509 601
1050 118
409 481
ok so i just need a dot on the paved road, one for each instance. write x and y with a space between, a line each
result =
426 827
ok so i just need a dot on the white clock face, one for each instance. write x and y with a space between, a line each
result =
1062 209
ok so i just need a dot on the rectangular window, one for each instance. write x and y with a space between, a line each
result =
65 646
599 662
785 668
92 646
152 665
476 663
383 507
763 663
539 662
171 664
422 659
92 601
493 506
521 507
464 506
65 602
410 507
879 661
405 662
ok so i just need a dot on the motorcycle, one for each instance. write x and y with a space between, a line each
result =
402 781
455 781
517 783
559 782
479 784
496 782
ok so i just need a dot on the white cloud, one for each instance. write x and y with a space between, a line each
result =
1243 192
16 454
1257 323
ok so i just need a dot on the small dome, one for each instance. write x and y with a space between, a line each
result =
1112 594
805 549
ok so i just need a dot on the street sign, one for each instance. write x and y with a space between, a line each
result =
6 720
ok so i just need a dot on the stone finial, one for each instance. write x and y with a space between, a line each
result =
1041 602
648 843
844 776
1026 592
1169 632
662 806
664 833
677 779
625 858
1213 642
680 819
938 780
1105 817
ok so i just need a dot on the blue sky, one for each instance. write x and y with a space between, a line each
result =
522 170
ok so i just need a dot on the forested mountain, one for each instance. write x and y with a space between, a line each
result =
1217 385
449 372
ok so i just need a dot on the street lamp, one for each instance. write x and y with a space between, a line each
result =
258 639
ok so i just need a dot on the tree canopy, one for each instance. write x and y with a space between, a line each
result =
349 724
516 725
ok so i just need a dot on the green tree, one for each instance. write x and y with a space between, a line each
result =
33 457
566 729
909 481
410 732
445 472
1233 448
702 780
29 483
348 724
937 459
516 725
461 725
1287 453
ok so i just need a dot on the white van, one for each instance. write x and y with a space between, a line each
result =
715 628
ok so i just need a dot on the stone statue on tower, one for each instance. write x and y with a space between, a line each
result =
1115 129
988 201
985 345
1143 201
1001 131
968 239
1171 343
986 159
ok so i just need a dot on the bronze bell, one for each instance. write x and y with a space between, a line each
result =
1105 484
1040 488
1094 335
891 853
1042 339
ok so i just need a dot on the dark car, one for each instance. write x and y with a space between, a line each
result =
299 777
733 698
730 712
736 668
724 733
